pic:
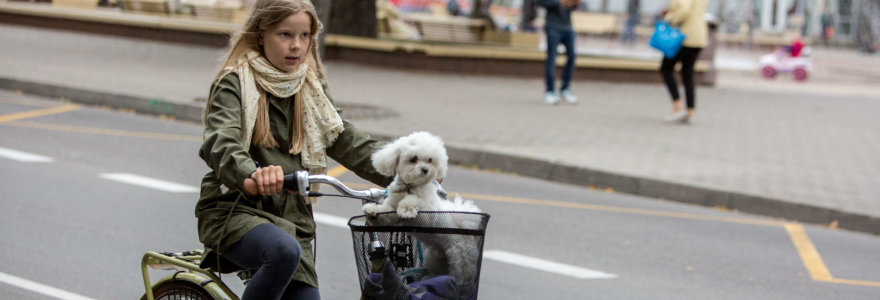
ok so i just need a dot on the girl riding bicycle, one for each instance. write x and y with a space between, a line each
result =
269 113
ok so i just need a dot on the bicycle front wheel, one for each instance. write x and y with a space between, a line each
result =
180 290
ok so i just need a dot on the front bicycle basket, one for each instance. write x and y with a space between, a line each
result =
434 255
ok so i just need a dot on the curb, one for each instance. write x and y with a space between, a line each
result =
507 163
155 106
676 192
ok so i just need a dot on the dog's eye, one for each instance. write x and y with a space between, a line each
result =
414 159
430 160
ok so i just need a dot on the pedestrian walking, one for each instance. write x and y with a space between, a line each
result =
558 30
827 21
629 31
689 16
750 23
268 113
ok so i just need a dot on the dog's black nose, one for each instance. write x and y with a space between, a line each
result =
424 170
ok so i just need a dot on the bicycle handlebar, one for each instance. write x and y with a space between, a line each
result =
301 181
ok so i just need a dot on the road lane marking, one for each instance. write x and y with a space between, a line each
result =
500 256
637 211
102 131
337 171
808 253
40 288
39 112
331 220
855 282
813 261
148 182
23 156
545 265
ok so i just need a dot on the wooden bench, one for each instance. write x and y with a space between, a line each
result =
447 28
227 11
66 3
594 23
523 39
146 6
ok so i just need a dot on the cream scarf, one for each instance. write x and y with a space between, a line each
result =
320 121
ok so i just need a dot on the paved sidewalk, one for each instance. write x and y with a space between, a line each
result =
800 151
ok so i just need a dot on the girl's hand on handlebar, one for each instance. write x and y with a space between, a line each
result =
269 180
252 188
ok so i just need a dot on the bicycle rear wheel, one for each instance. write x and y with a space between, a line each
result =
180 290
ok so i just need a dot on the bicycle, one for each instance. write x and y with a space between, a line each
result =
390 255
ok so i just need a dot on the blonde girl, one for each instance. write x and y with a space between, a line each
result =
269 113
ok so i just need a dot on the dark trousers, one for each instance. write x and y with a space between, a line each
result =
554 38
275 255
688 57
629 31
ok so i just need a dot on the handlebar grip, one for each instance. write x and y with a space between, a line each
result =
290 182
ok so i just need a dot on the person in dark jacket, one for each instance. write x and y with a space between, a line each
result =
558 29
269 113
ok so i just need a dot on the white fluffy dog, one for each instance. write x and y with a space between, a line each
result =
417 161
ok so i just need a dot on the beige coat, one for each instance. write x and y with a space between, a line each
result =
689 16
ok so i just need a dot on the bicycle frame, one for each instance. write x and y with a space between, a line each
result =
186 264
186 271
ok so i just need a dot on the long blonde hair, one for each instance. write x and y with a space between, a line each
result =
264 15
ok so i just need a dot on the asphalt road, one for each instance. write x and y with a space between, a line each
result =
70 230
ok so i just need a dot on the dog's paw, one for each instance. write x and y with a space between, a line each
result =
407 211
372 209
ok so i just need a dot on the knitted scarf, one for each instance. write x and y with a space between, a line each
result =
321 123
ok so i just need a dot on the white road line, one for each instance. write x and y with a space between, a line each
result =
23 156
40 288
331 220
152 183
545 265
501 256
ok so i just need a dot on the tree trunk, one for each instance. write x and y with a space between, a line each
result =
323 9
529 12
481 11
352 17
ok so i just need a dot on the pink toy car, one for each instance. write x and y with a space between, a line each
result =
781 61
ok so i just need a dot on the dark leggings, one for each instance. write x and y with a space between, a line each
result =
688 57
275 255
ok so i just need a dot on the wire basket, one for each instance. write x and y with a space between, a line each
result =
434 255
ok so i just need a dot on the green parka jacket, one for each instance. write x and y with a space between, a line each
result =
223 219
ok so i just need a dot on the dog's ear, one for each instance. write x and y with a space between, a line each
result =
442 161
385 160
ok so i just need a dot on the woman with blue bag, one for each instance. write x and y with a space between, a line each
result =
688 16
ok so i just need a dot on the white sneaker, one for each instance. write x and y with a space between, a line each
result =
678 116
569 96
550 98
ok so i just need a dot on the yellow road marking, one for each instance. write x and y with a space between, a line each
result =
102 131
805 248
39 112
337 171
854 282
809 254
622 210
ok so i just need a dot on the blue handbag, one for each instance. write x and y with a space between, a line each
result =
667 39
